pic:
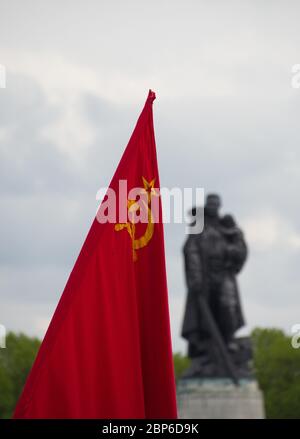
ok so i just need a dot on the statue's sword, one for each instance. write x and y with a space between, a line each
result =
215 333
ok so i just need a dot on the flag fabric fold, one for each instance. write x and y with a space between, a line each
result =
107 352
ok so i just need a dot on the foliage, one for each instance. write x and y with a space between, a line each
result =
277 366
181 363
15 363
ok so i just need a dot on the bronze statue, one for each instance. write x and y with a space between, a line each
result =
213 311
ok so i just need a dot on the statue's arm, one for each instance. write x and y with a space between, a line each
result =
238 252
193 265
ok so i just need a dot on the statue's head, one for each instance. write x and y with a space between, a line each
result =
212 205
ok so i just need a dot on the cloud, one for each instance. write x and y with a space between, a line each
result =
270 232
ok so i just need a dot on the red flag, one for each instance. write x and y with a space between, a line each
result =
107 352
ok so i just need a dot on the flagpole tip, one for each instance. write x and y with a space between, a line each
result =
151 95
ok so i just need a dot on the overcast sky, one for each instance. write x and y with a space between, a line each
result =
226 119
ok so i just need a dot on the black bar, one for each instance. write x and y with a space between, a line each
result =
137 428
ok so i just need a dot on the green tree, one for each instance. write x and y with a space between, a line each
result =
181 362
15 363
277 366
6 393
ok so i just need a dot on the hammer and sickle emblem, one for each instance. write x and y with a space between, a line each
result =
130 226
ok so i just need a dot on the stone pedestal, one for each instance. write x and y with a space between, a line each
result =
219 398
